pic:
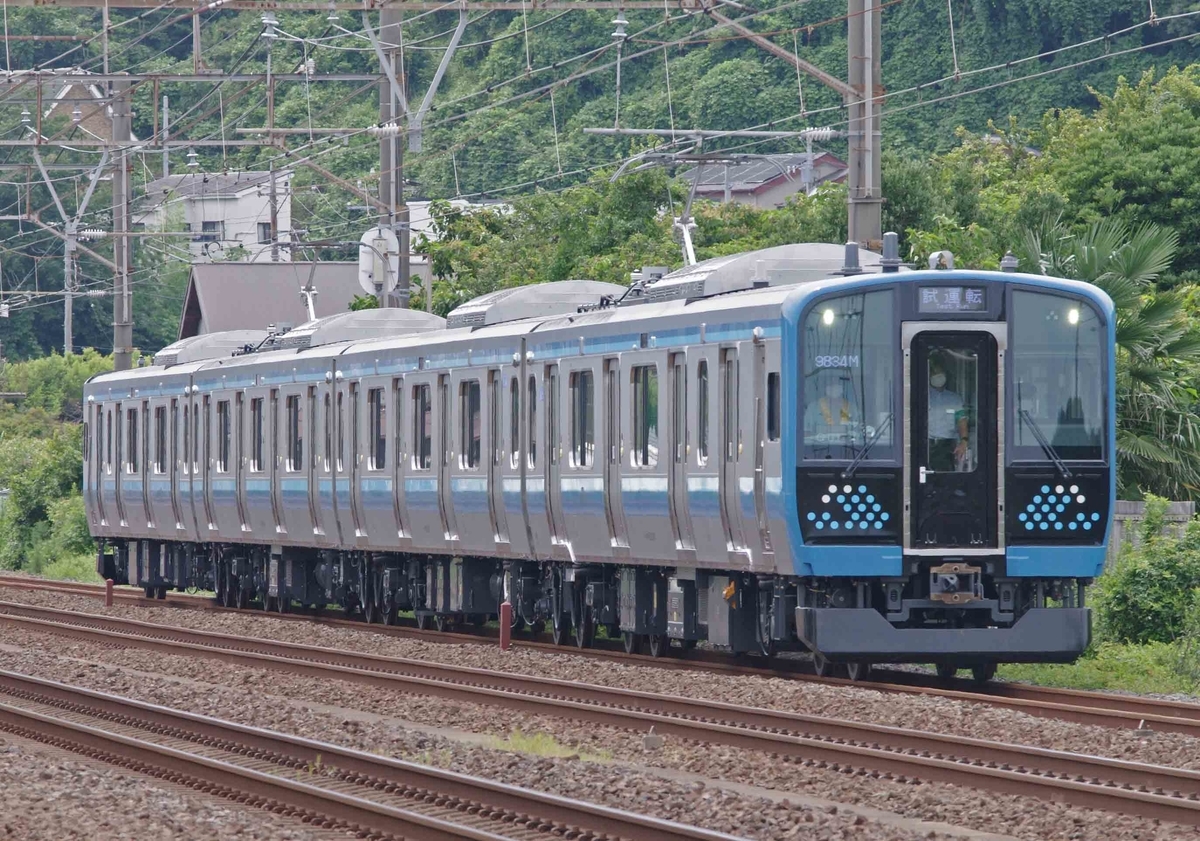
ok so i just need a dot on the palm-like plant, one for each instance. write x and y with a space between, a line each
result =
1158 351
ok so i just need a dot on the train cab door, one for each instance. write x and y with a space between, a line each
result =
444 448
954 378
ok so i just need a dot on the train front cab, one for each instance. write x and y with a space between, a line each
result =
953 465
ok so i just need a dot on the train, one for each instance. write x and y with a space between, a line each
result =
808 447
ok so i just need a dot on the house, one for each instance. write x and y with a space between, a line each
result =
237 296
228 215
768 181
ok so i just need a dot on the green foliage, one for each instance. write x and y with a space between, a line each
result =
1153 667
364 302
73 568
1147 595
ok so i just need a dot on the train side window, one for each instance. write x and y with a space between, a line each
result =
470 429
377 429
531 399
131 450
730 399
702 412
224 436
422 428
312 414
552 414
645 416
174 432
679 410
208 431
295 433
160 439
196 436
187 437
514 411
108 439
495 392
398 422
341 431
256 434
583 423
773 416
328 451
87 440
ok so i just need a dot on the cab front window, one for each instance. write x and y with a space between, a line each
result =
848 360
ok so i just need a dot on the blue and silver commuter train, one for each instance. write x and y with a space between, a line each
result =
776 449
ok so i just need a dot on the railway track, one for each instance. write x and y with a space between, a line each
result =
318 782
1083 707
1148 791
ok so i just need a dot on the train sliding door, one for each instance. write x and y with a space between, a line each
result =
953 439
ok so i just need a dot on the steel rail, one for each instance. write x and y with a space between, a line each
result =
1080 706
1150 791
516 803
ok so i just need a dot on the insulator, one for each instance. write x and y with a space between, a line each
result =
92 233
821 134
384 130
25 116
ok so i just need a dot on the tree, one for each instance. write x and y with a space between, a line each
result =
1158 351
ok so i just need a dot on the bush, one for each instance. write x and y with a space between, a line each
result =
1146 597
73 568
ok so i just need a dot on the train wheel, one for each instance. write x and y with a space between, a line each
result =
946 671
585 630
858 671
633 642
821 665
422 621
660 645
983 673
766 624
283 604
560 628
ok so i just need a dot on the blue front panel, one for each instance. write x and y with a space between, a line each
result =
850 560
1055 561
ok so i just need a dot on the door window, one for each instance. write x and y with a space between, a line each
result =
952 408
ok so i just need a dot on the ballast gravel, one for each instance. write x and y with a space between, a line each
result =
431 730
921 712
48 795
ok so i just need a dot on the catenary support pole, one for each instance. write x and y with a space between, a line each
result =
122 294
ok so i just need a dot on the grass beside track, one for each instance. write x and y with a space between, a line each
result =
1150 668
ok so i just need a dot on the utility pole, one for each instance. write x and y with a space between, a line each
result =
122 294
69 290
864 52
391 148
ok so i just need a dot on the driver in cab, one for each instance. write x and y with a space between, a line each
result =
831 418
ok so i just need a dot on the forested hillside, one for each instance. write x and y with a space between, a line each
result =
509 116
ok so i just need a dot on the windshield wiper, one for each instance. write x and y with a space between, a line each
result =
862 454
1046 445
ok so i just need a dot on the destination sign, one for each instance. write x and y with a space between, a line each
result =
935 299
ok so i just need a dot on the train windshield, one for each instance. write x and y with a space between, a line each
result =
849 377
1058 381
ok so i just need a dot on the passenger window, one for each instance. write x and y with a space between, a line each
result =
645 416
224 436
494 393
160 439
87 440
730 410
341 432
328 451
295 434
514 432
531 398
552 414
702 412
422 428
470 430
679 410
398 426
108 437
377 432
583 437
773 413
196 436
187 437
131 452
256 434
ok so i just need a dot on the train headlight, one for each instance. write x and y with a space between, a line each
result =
827 317
1073 315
